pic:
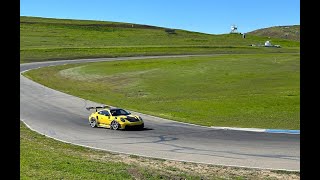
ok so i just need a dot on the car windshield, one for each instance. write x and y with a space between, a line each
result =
118 112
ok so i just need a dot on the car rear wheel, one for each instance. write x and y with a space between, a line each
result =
93 122
114 125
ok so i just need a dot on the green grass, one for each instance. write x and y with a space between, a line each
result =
249 90
44 39
45 158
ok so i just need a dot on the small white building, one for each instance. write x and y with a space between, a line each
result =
267 43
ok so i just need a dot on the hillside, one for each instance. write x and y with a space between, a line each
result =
284 32
53 39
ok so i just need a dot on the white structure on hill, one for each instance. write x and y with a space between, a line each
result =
234 29
267 43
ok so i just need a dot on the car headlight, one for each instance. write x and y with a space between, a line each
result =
122 119
140 118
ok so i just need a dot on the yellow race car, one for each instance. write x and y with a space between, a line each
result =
114 118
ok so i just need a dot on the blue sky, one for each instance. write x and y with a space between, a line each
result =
207 16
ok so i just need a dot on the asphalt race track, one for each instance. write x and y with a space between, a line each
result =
64 117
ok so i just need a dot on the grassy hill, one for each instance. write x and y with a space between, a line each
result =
284 32
52 39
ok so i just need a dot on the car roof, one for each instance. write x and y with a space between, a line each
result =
113 108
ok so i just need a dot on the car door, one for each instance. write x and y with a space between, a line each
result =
104 117
107 117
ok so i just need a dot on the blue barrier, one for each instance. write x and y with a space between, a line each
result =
283 131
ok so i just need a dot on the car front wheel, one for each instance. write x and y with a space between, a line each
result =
114 125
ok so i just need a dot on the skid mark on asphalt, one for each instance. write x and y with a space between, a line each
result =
163 139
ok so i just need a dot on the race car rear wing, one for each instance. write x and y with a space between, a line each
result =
97 107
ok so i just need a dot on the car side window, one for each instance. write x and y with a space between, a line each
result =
104 112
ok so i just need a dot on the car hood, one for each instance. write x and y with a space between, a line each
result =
128 116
